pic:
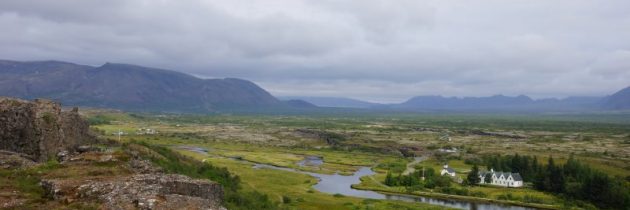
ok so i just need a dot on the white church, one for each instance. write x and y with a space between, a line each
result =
504 179
447 170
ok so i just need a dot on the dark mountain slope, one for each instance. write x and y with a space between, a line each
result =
128 87
619 100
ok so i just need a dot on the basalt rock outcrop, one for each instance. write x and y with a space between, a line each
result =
116 180
141 191
40 129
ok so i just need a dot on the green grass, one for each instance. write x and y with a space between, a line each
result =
297 186
27 183
596 138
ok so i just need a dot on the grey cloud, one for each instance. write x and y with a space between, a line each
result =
373 49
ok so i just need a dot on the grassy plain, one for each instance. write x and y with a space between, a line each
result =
379 141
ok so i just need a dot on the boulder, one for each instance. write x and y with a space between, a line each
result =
12 160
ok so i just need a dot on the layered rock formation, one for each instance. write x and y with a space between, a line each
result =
40 129
140 185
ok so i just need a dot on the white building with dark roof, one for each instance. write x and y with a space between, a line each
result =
447 170
504 179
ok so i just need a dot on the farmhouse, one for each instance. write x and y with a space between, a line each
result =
505 179
447 170
146 131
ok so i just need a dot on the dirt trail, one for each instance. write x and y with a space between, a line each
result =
410 168
377 182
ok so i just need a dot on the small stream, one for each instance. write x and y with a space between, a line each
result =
340 184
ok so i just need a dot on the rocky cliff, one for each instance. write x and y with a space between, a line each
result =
40 129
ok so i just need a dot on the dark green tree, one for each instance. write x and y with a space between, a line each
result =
473 176
487 178
389 180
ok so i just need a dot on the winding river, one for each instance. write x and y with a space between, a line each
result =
340 184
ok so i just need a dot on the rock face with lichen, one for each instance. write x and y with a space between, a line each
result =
40 129
137 185
141 191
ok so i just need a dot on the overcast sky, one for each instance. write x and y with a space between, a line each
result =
377 50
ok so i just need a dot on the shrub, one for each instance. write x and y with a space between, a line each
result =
532 199
286 199
478 194
99 120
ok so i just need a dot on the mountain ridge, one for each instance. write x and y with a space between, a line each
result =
138 88
519 103
128 87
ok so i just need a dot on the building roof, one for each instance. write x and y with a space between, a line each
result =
515 176
449 170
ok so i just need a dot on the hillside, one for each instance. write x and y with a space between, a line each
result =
619 100
128 87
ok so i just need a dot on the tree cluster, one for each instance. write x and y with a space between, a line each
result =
579 181
572 180
527 166
432 179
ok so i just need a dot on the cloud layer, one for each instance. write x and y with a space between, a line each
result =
379 50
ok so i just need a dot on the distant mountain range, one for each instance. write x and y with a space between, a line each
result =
617 101
333 101
129 87
137 88
500 103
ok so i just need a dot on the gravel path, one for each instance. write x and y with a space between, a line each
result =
410 168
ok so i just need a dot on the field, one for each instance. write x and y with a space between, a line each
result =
384 142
